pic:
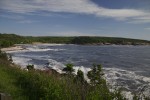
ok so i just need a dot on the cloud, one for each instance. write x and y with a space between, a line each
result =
25 21
140 20
70 33
15 17
74 6
147 28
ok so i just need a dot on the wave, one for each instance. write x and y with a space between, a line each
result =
21 61
53 64
50 44
129 80
24 61
34 50
83 69
41 49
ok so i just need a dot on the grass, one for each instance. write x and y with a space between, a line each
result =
8 80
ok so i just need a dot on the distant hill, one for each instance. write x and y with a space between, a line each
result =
108 40
11 39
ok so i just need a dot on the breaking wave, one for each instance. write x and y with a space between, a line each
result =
129 81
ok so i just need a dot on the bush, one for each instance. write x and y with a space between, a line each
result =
3 55
69 68
30 67
80 76
96 75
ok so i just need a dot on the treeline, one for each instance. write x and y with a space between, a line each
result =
108 40
51 39
7 40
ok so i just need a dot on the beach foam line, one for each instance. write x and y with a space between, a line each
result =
40 49
48 44
30 49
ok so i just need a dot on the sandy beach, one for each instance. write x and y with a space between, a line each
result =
14 48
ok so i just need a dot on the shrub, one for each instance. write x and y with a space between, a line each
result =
69 68
96 75
3 55
80 76
30 67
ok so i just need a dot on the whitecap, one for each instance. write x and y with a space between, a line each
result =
23 62
53 64
83 69
138 81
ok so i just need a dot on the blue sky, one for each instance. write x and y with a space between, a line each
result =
113 18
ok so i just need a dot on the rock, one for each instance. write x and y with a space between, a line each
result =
4 96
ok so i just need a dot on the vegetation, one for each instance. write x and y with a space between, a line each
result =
69 68
96 76
80 76
108 40
30 67
7 40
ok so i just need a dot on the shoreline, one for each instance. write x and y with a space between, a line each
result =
13 48
19 47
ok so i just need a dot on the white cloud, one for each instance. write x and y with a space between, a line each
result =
25 21
147 28
74 6
140 19
15 17
70 33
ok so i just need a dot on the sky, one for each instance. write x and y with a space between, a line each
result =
110 18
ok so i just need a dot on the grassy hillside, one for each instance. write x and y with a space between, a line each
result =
7 40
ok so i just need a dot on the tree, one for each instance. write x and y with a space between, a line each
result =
30 67
96 75
69 68
80 76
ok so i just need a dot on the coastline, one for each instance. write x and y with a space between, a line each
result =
13 48
18 47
